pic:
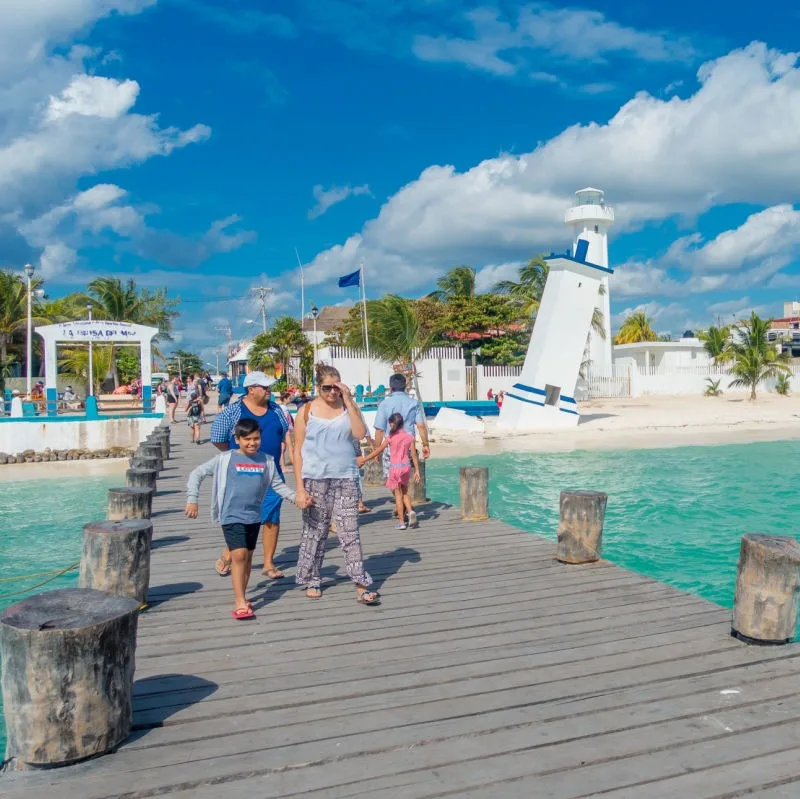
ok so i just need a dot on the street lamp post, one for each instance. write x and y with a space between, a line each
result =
29 270
90 388
314 315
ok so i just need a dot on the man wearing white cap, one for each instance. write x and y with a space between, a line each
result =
256 404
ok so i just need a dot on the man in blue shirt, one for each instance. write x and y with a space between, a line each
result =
414 418
256 404
224 391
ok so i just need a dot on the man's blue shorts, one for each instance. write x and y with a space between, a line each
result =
271 507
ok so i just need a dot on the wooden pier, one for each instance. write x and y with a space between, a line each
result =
489 670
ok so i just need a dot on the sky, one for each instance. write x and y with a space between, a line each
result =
202 146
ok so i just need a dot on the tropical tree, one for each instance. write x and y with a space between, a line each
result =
712 388
124 302
783 384
14 309
282 342
181 362
716 341
754 359
74 362
458 282
528 290
637 327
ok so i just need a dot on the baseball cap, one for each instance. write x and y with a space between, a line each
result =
258 379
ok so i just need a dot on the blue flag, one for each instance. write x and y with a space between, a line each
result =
353 279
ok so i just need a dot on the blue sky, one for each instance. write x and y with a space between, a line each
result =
194 144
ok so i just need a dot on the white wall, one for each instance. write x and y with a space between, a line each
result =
20 434
353 368
497 378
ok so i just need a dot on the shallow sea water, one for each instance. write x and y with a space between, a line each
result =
676 515
42 524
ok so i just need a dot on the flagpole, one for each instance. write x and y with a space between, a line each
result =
302 290
366 326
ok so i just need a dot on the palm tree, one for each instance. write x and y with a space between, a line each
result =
530 287
123 302
637 327
716 341
283 341
754 359
14 310
74 362
458 282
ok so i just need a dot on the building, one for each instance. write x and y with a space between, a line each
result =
330 318
688 351
590 218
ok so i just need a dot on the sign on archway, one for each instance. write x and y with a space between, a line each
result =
96 331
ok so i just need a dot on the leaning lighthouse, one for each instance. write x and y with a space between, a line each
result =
590 218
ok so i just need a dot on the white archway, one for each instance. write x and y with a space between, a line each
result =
98 331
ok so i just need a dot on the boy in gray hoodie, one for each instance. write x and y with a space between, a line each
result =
241 478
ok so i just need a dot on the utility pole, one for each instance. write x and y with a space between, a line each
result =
262 292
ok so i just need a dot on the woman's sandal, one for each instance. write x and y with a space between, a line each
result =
369 598
314 592
240 614
223 566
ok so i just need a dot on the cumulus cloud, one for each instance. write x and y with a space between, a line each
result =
327 198
656 158
103 214
504 45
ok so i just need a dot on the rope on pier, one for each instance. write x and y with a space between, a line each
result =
56 574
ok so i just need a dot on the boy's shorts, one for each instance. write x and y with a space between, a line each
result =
241 536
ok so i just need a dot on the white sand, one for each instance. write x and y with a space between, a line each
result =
61 469
647 422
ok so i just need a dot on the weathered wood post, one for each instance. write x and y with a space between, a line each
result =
474 483
767 589
580 528
67 661
145 450
129 503
373 470
141 478
161 436
418 491
142 462
116 557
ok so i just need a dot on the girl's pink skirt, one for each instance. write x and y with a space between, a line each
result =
398 477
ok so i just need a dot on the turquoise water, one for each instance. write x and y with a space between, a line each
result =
42 531
676 515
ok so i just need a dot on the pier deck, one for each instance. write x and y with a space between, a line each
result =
488 671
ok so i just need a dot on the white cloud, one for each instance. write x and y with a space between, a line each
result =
505 45
327 198
656 159
93 96
56 259
488 277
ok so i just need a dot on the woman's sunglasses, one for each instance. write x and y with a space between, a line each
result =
326 389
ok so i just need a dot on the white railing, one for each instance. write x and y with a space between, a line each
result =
495 370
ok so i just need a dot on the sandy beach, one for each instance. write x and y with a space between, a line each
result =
650 422
62 469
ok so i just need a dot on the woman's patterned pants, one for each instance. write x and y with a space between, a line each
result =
337 500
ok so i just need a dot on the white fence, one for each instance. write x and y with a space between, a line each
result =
640 382
496 378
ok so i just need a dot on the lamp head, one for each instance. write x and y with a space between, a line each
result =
29 270
314 310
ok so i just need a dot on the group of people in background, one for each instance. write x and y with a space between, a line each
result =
255 437
498 397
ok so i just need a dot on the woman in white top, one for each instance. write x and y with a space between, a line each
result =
326 471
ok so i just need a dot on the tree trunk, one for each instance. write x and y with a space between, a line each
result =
67 660
767 588
116 557
580 528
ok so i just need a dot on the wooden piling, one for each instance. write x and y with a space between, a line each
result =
580 528
474 484
767 589
67 661
144 462
141 478
373 470
116 557
147 450
129 503
418 491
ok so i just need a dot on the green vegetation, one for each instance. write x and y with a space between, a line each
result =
754 358
637 327
282 342
712 388
184 363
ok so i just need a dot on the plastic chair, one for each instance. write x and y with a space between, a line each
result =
29 409
380 392
359 392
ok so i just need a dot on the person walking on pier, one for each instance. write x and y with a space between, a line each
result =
403 459
256 404
241 479
173 395
326 472
224 391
